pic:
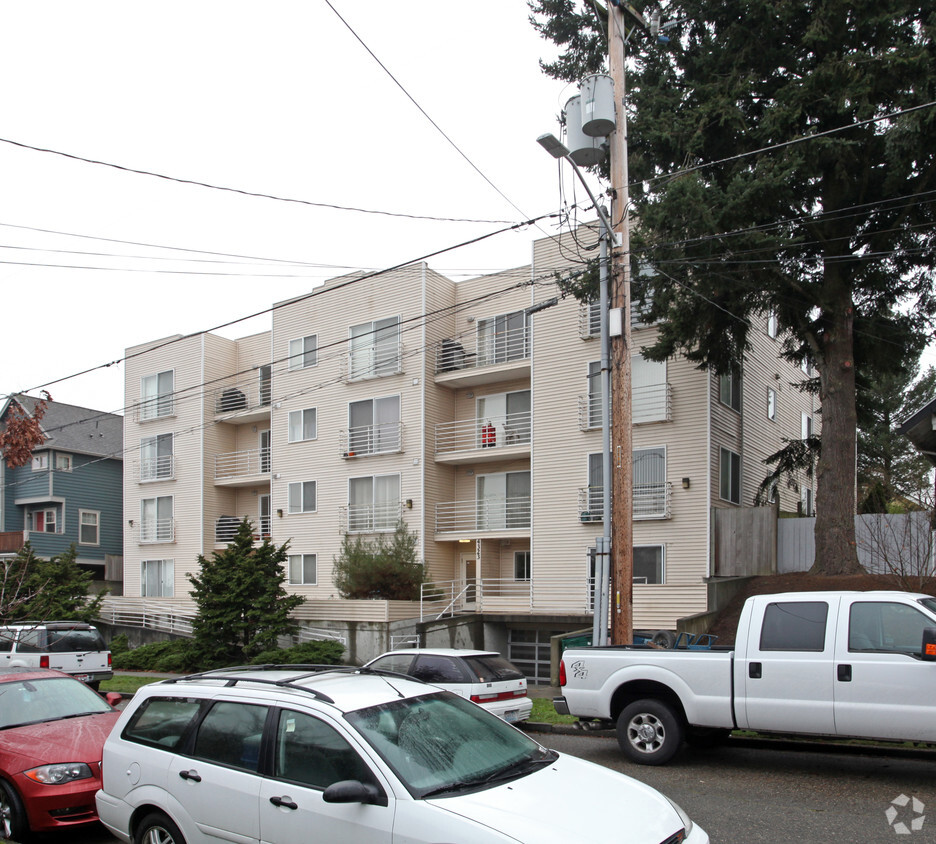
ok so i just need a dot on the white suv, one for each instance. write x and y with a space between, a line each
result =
284 754
74 647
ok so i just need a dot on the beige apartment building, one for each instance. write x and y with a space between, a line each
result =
407 395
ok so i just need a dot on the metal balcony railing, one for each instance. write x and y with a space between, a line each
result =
245 394
591 504
589 320
486 514
487 432
490 349
370 518
367 440
651 404
589 412
651 501
373 361
157 530
226 528
236 464
157 468
157 407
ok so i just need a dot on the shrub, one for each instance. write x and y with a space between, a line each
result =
170 656
385 568
325 652
119 644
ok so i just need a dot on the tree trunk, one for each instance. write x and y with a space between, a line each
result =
836 551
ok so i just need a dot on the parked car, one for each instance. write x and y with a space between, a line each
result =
52 731
483 677
273 753
74 647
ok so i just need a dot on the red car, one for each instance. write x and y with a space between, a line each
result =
52 731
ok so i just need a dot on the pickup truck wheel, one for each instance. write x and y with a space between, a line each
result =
649 732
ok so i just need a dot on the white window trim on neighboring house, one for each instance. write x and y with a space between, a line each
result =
302 425
63 462
303 352
40 462
96 524
299 562
297 493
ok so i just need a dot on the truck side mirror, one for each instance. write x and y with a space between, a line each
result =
928 650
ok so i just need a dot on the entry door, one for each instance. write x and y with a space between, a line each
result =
469 576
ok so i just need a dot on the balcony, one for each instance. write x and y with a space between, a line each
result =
156 468
374 361
484 440
226 529
157 407
242 402
495 357
242 468
589 320
497 517
369 440
651 404
157 530
651 501
370 518
589 408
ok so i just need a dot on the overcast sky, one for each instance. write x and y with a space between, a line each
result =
279 98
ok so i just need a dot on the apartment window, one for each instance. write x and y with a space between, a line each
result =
266 384
157 580
649 476
806 501
648 564
593 510
729 473
156 519
374 426
373 503
503 500
522 568
89 527
63 462
156 457
302 569
303 425
729 389
156 395
648 390
303 352
503 419
806 426
593 416
302 497
772 325
503 338
375 349
42 521
40 462
771 404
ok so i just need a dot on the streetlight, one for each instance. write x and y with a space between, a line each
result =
558 150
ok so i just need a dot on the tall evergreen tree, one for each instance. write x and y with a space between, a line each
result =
783 162
243 607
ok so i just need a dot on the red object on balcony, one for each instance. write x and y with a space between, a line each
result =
488 436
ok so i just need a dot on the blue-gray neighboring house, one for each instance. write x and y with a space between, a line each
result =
71 492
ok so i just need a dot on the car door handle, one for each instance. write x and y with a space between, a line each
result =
283 802
190 775
845 673
755 670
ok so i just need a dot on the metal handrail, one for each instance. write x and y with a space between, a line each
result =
366 440
484 432
235 464
484 514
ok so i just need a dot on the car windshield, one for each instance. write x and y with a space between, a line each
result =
441 745
492 669
51 699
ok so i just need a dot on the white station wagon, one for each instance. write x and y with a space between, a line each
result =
287 754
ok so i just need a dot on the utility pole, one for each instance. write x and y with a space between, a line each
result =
622 483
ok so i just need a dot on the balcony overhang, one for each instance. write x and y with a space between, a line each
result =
496 533
484 455
260 479
250 415
476 376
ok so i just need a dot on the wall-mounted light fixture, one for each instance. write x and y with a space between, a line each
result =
409 503
685 483
130 523
279 513
463 541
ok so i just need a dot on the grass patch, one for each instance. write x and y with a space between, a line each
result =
127 684
544 713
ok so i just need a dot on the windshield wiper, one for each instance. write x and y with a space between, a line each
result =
458 785
521 767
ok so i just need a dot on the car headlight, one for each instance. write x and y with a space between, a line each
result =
59 774
686 820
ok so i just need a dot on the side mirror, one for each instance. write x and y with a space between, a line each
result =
928 650
354 791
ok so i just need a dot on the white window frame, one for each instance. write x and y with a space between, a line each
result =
728 461
662 557
377 437
302 560
40 462
729 389
771 404
654 504
162 528
368 343
501 341
63 462
296 494
96 524
594 393
165 577
303 352
156 468
648 392
155 401
297 421
46 520
371 519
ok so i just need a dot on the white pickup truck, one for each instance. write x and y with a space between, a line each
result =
855 664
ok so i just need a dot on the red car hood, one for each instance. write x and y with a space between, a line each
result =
69 740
